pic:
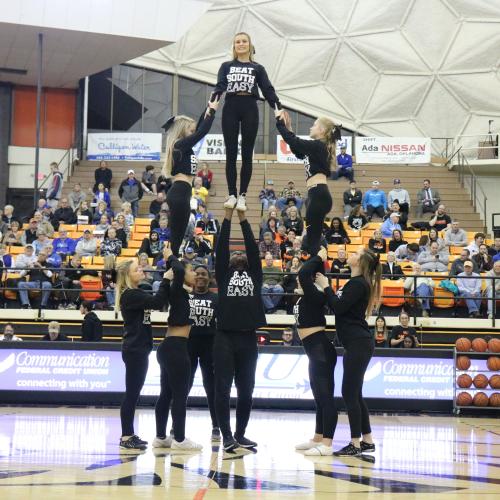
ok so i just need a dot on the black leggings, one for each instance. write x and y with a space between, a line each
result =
322 360
136 368
200 349
178 199
319 203
235 357
239 110
175 371
357 355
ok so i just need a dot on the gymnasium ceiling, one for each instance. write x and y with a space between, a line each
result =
388 67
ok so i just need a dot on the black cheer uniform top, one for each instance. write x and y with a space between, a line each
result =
203 314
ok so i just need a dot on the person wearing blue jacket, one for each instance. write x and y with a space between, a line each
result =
63 245
375 201
390 224
344 166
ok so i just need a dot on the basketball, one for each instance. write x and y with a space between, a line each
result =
495 381
479 345
464 380
493 363
480 381
480 399
495 399
463 362
493 345
463 344
464 399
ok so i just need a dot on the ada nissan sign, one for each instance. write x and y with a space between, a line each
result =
393 150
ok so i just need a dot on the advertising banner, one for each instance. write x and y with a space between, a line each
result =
285 155
393 150
212 147
128 146
278 376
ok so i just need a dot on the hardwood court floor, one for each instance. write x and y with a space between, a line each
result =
66 453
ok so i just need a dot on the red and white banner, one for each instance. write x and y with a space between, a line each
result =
393 150
285 155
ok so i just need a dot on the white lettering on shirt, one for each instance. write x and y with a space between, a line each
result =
307 166
240 79
147 317
240 285
194 164
201 312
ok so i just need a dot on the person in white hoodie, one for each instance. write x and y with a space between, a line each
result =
24 260
422 287
87 245
400 195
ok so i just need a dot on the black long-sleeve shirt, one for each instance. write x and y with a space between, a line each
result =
245 77
136 306
179 298
184 160
313 151
91 328
103 176
349 306
203 314
310 308
240 302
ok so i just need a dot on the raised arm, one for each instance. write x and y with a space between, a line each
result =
204 125
179 273
251 248
140 299
222 248
300 147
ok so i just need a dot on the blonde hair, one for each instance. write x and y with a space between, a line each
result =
122 281
332 134
371 270
126 205
177 131
251 48
54 325
109 261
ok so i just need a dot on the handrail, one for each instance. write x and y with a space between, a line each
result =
451 158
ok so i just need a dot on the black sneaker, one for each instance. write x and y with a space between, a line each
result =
348 451
367 446
215 434
26 306
139 440
229 444
132 443
246 443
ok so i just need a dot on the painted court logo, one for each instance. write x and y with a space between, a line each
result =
7 363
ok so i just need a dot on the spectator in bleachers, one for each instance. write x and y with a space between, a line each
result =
293 251
155 205
70 279
357 219
401 197
380 332
55 186
40 278
483 260
433 260
490 284
427 199
29 235
408 252
54 260
101 194
473 247
288 243
8 334
267 196
280 235
352 198
288 196
164 184
190 256
103 175
409 342
272 291
440 221
102 209
271 226
391 269
457 266
336 233
403 330
268 245
424 290
131 190
200 245
288 338
469 288
6 261
64 245
163 230
13 236
207 222
433 235
340 265
126 211
289 283
494 250
377 243
26 259
148 270
111 245
103 225
152 246
121 234
41 205
8 215
54 333
43 223
108 277
122 224
41 242
206 175
83 214
344 169
149 179
396 240
91 324
199 192
64 214
87 245
76 196
375 201
391 224
394 208
455 236
293 221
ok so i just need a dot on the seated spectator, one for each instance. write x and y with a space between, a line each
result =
54 261
108 277
478 241
377 244
375 201
455 236
288 339
64 214
340 265
427 199
121 234
344 169
433 235
102 209
13 236
380 332
126 211
433 260
43 221
111 245
76 196
493 284
148 270
288 243
272 291
280 236
336 233
289 283
357 219
91 324
408 252
288 196
206 221
267 196
8 334
268 245
87 245
494 250
39 278
122 224
156 204
205 175
55 334
293 221
483 261
41 205
270 227
457 266
101 194
30 235
439 222
390 269
6 260
84 214
421 288
198 192
103 175
200 245
152 246
26 259
70 280
102 227
131 190
401 197
41 242
163 184
8 215
396 240
64 245
352 198
149 179
293 251
163 230
389 225
469 288
403 330
190 257
395 209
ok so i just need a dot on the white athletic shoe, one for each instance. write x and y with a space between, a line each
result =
319 450
306 445
241 205
187 445
162 443
230 202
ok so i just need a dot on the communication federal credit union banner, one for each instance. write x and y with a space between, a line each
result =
285 155
129 146
401 150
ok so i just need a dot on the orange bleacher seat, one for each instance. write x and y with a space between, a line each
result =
122 259
84 227
15 250
352 233
443 299
128 252
86 260
142 221
98 260
358 240
141 229
90 287
373 225
455 250
392 293
276 263
134 244
69 227
352 248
